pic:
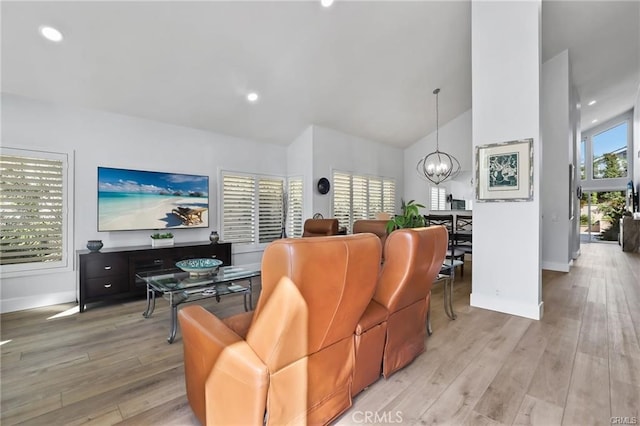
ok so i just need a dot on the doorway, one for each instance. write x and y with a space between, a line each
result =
600 213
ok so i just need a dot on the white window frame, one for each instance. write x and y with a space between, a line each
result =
611 184
367 214
256 245
66 263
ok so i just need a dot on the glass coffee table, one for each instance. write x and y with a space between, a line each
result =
180 287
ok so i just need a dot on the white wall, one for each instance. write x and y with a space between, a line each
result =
556 139
104 139
300 163
333 150
455 139
505 54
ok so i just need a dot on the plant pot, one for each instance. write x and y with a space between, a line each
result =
161 242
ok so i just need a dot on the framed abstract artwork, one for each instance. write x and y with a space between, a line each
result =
504 171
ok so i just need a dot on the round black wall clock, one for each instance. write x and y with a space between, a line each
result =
323 185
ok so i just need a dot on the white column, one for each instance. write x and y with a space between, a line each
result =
505 39
557 138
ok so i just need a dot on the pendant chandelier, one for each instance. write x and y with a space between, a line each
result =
438 166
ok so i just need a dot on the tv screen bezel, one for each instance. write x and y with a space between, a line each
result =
180 181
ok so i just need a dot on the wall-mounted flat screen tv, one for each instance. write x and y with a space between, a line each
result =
137 199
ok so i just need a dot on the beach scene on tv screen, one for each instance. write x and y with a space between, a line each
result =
137 199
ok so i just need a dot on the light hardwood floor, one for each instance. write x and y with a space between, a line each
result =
580 365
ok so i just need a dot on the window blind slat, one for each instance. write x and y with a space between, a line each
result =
32 212
389 196
361 197
438 198
375 198
252 208
271 209
295 207
342 199
238 203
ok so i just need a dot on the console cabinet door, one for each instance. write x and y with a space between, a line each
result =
102 275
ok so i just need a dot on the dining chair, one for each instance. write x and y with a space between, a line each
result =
462 238
447 221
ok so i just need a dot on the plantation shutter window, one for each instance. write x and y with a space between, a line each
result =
389 196
294 207
361 197
252 208
32 209
238 206
375 197
438 198
270 209
342 199
360 192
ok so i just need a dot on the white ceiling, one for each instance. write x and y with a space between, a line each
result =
603 38
364 68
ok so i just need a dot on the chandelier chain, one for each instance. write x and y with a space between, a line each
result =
438 166
437 121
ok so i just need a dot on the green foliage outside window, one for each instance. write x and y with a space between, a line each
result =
584 219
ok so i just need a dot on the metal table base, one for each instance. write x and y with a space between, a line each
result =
447 276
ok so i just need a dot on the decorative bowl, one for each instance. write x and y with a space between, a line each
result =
199 266
94 245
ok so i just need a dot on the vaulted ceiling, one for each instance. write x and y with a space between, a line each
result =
361 67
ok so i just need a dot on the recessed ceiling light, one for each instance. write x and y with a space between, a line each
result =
51 33
593 102
594 121
252 97
326 3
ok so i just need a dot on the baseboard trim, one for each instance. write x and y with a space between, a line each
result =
38 301
556 266
532 311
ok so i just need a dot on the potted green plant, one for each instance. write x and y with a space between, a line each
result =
161 239
410 217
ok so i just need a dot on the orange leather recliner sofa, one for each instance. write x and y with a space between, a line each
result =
392 331
292 359
374 226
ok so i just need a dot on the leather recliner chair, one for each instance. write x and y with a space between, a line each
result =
374 226
392 331
291 360
320 227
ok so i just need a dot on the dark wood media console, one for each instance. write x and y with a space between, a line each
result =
111 272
